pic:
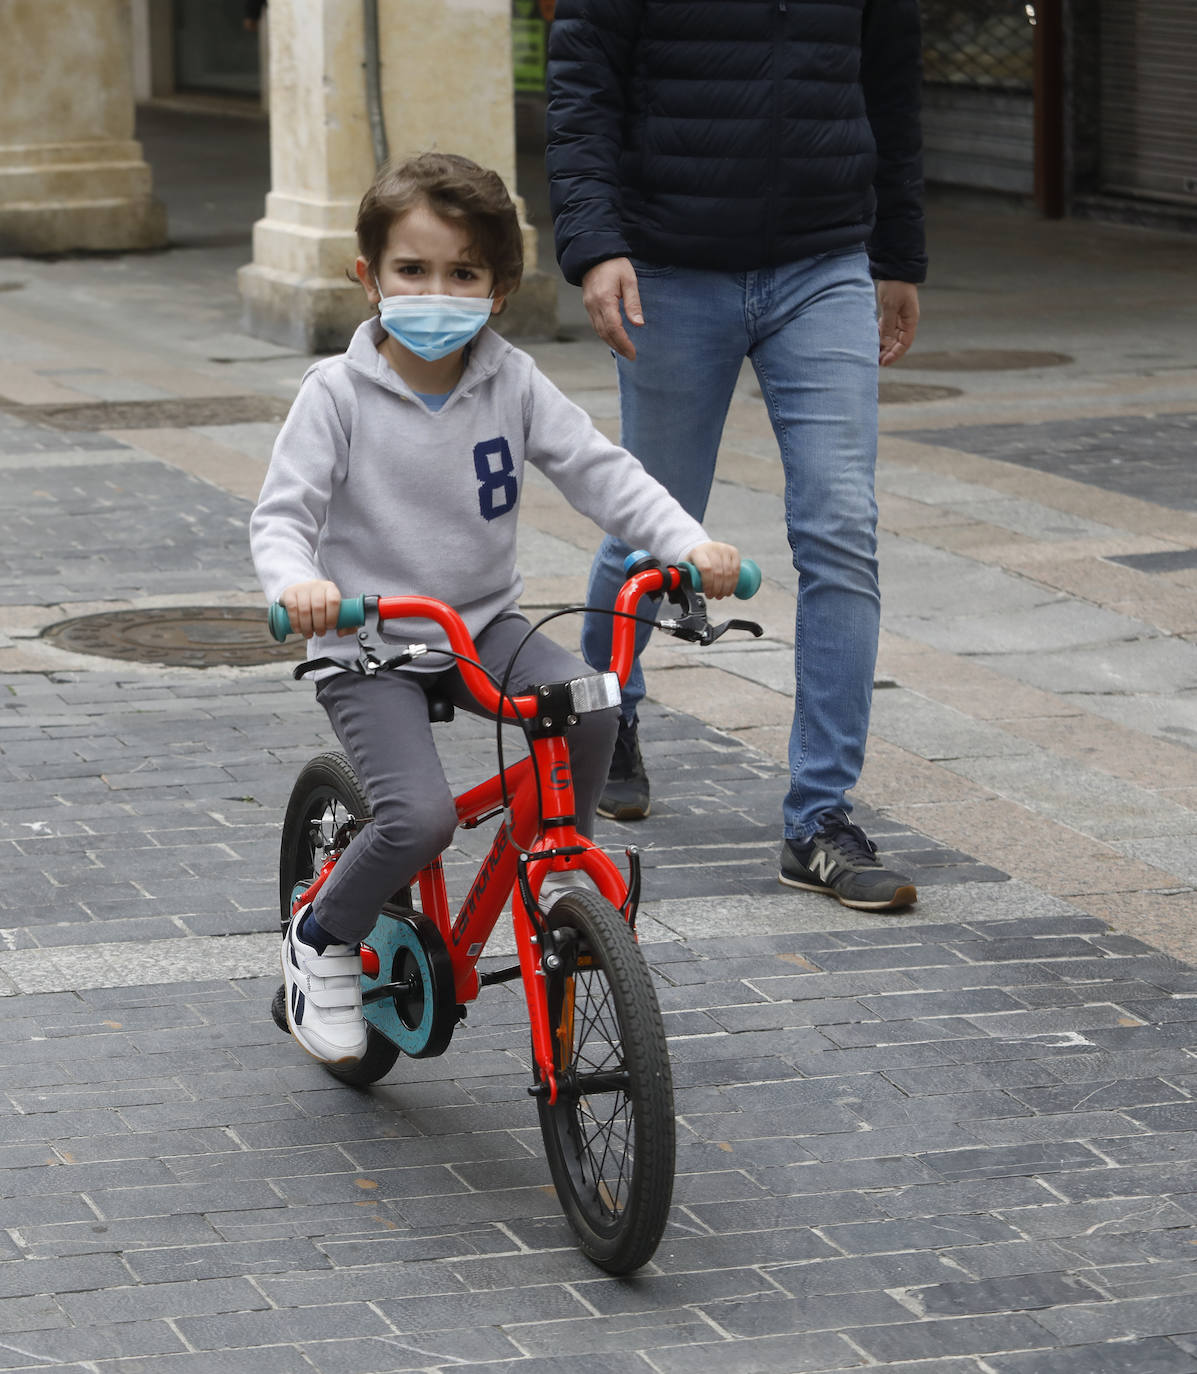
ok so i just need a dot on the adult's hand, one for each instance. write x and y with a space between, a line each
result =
603 288
898 318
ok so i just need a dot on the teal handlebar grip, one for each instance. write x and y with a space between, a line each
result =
749 581
351 615
279 621
747 585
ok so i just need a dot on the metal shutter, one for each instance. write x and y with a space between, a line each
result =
1149 99
979 138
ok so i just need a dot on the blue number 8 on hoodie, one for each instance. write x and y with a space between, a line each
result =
497 488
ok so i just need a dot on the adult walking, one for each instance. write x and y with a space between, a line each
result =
729 180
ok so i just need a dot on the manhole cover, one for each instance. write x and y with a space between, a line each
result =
907 393
178 636
983 360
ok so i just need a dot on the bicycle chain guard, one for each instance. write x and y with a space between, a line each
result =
412 999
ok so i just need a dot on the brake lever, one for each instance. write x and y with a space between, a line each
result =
748 626
368 662
695 628
694 625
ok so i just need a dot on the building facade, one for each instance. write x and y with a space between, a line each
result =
1088 106
1084 107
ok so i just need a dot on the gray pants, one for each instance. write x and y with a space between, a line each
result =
382 723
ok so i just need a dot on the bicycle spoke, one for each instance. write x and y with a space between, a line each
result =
602 1014
605 1142
605 1132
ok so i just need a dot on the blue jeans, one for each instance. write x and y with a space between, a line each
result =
810 330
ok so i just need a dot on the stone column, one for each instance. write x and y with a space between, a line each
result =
446 83
71 175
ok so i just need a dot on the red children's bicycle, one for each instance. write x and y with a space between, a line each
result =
600 1066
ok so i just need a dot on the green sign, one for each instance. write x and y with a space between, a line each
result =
528 45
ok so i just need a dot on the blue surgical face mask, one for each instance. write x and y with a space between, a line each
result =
432 327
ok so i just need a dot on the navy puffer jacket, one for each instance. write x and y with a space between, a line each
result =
736 134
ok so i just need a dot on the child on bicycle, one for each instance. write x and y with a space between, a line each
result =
399 470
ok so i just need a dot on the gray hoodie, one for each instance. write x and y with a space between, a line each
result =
370 489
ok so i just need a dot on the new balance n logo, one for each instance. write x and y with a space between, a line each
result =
822 865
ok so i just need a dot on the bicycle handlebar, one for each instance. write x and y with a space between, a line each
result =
650 579
352 614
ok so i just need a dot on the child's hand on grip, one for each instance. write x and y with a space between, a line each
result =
719 567
313 607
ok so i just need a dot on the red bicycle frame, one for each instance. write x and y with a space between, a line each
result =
540 819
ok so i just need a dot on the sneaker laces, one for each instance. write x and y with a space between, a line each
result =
836 829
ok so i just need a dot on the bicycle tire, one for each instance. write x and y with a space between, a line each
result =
610 1136
328 795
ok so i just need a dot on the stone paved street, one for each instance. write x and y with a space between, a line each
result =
957 1140
898 1144
1096 451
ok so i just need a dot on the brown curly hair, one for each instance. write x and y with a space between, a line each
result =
455 189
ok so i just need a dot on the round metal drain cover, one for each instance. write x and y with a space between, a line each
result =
908 393
983 360
177 636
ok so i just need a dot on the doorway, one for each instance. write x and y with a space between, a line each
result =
213 50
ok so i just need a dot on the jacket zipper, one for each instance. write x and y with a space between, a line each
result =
776 132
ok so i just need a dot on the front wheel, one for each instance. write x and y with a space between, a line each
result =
609 1136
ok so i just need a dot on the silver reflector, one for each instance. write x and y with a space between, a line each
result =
594 693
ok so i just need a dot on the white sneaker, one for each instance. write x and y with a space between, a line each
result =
324 997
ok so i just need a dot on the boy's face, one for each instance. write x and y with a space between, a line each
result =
430 256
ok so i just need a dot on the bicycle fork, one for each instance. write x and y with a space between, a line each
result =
560 849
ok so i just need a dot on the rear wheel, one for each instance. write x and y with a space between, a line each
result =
609 1136
326 809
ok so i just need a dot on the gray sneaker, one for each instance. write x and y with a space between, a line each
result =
841 860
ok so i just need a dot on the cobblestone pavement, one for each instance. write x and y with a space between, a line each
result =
958 1140
1149 457
899 1147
